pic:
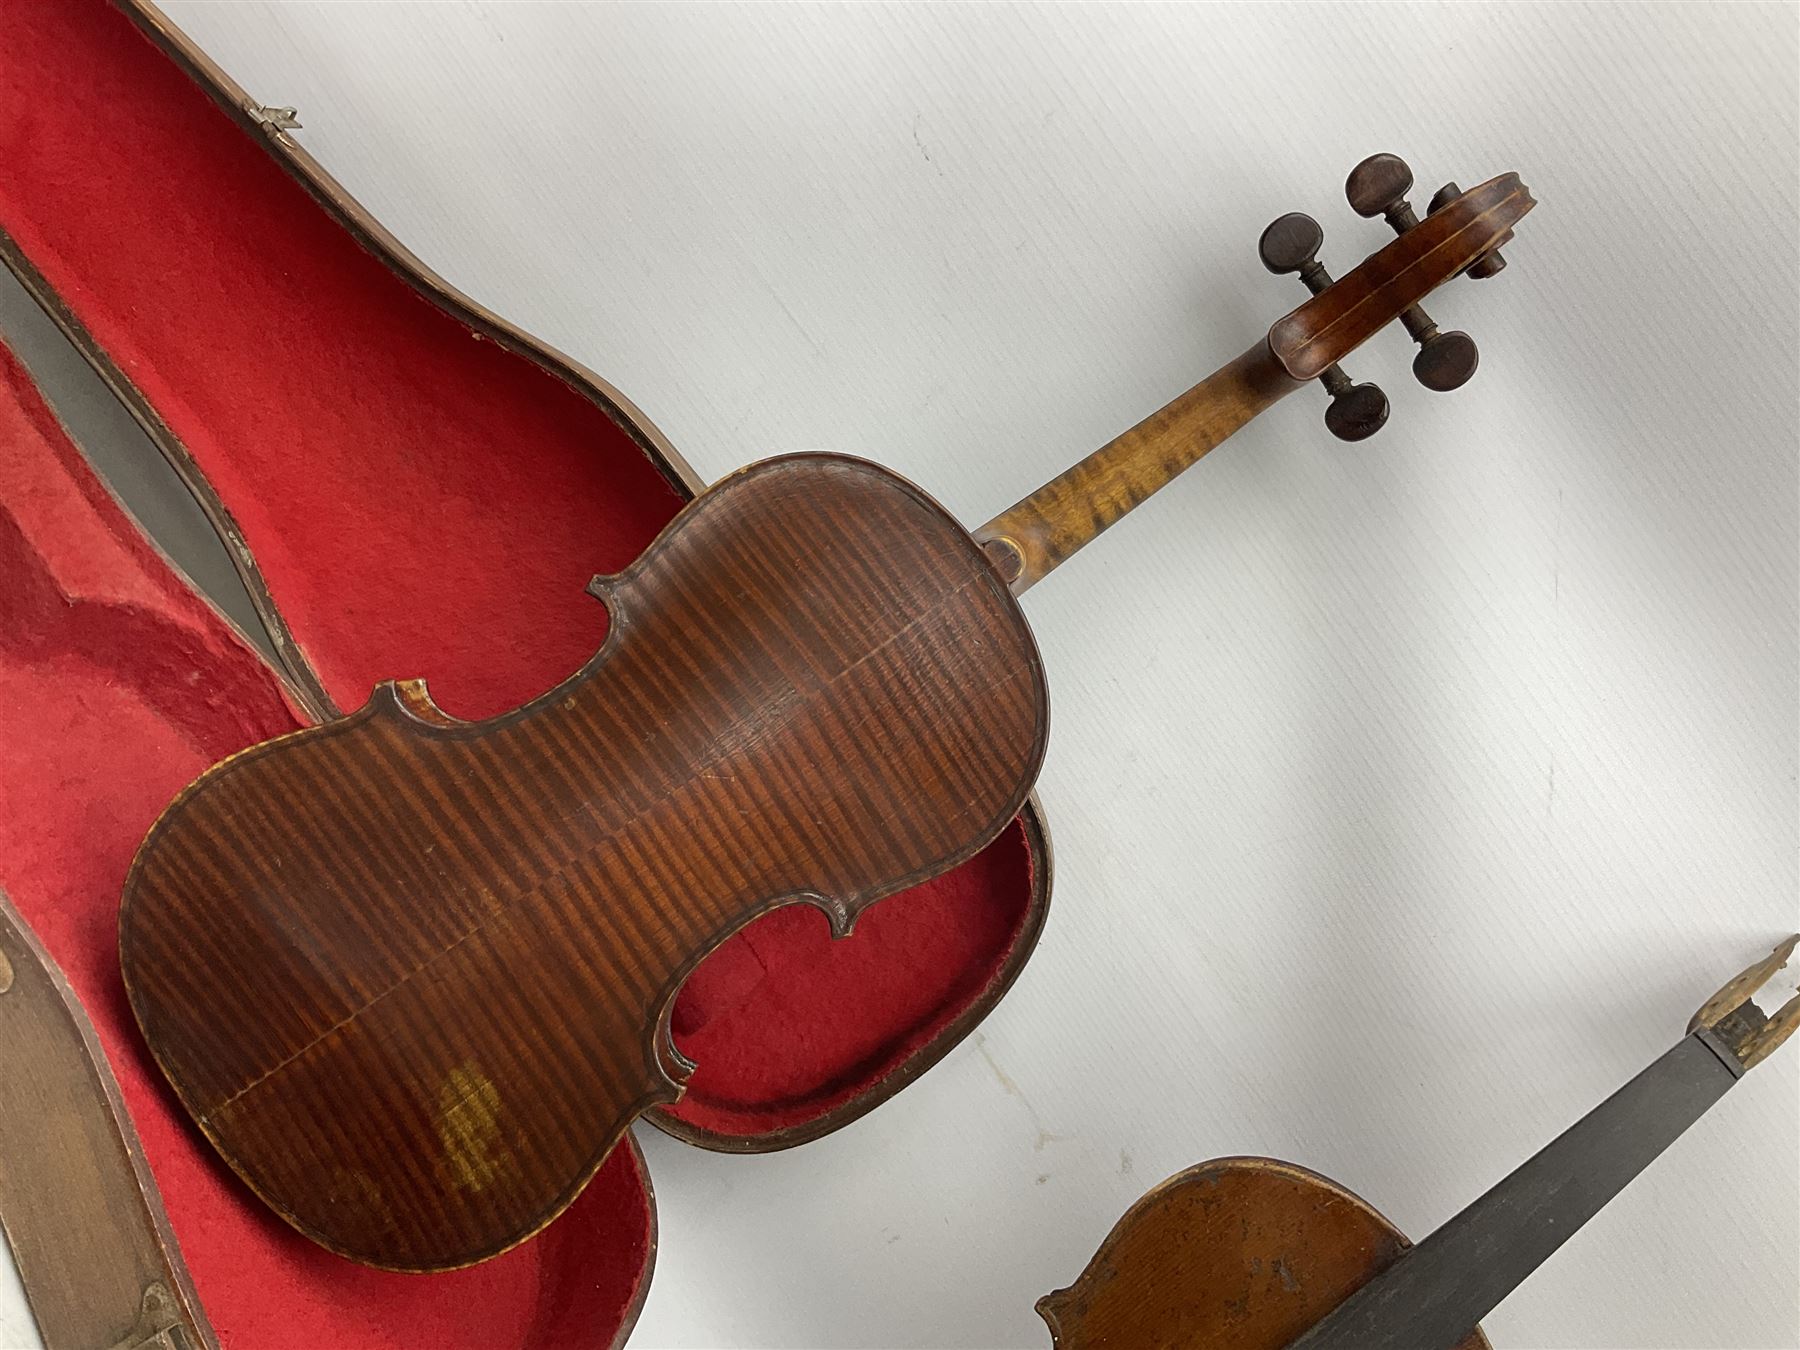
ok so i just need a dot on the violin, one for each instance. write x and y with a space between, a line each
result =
412 975
1255 1254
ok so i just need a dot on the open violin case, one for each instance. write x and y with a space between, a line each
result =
409 487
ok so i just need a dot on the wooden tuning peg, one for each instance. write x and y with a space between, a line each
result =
1291 245
1378 187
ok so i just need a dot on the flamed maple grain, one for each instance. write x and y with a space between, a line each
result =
412 975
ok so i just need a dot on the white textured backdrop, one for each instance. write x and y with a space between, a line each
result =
1408 796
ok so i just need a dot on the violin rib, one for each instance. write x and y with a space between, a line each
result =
412 975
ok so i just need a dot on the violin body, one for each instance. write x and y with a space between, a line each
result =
1237 1253
412 975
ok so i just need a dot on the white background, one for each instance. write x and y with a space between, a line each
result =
1408 796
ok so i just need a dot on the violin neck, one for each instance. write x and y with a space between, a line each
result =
1436 1293
1028 540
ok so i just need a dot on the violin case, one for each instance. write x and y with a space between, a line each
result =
409 487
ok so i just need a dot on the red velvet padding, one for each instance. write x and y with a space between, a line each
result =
422 503
772 975
117 686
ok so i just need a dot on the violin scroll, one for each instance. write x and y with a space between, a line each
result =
1461 234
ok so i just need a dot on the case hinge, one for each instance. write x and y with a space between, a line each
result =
275 119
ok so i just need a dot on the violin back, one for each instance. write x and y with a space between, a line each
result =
1237 1254
412 975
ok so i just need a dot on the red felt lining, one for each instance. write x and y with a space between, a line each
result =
423 503
117 686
